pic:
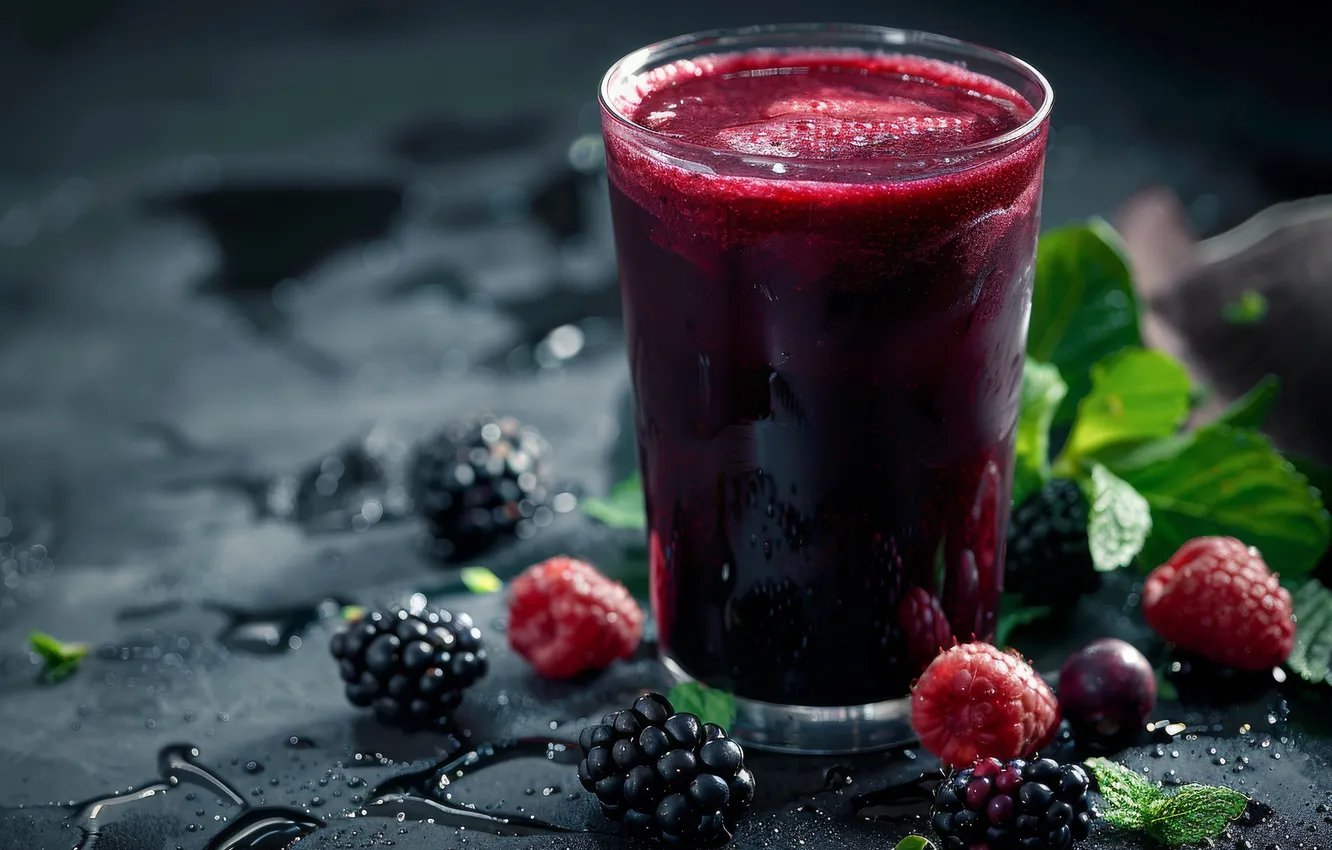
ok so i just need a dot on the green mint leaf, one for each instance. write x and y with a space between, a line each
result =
1128 796
1083 307
623 508
1249 309
481 580
914 842
1013 614
1120 520
711 705
1311 657
1136 395
352 613
1228 481
1193 813
1042 392
59 659
1250 410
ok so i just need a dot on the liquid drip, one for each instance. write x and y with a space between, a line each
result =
265 829
421 795
913 798
176 765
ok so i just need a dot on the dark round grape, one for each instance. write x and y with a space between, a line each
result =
1107 690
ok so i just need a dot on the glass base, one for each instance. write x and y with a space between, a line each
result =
816 729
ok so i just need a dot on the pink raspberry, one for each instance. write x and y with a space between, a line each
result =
1216 597
975 701
566 618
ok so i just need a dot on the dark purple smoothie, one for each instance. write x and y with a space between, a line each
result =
826 261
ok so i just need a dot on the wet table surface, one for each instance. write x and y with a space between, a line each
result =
227 256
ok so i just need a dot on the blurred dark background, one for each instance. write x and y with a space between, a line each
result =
233 235
1229 107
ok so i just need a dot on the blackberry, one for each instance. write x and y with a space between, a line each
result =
665 775
478 481
1014 805
412 668
1049 560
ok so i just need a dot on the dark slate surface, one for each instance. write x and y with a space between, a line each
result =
232 240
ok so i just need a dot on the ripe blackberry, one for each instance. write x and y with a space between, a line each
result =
665 775
1049 561
478 481
411 667
1014 805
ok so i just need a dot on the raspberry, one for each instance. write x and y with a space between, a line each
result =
566 618
924 626
975 701
1216 597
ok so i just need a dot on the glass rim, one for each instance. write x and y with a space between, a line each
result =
734 39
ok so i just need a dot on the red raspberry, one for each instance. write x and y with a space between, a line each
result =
565 618
1216 597
924 627
975 701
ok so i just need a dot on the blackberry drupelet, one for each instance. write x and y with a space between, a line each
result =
1049 560
666 776
412 668
1014 805
478 481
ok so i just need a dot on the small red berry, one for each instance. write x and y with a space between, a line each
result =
924 627
1217 598
566 618
975 701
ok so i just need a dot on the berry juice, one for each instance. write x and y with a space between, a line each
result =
826 259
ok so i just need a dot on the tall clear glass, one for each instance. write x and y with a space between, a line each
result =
826 347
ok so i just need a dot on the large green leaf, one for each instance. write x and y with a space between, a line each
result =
1136 395
1083 306
1228 481
1042 391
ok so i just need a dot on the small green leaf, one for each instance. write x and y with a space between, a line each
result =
1082 308
1311 657
914 842
352 613
1013 615
481 580
1193 813
1120 521
1250 410
1042 392
1228 481
1136 395
711 705
1249 309
1128 796
59 659
622 508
